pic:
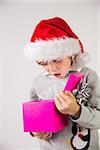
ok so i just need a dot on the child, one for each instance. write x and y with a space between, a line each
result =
59 51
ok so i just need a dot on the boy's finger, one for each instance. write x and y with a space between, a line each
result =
49 136
58 103
64 96
69 93
46 135
57 100
39 133
62 100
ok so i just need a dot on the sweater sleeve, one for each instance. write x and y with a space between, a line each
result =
33 94
90 114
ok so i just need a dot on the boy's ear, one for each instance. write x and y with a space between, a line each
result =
71 62
72 59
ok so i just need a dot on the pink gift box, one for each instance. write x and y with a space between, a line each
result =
42 115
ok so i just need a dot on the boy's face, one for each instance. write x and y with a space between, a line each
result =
58 68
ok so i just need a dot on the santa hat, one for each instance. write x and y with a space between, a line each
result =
53 39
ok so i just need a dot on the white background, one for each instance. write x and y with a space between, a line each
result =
17 22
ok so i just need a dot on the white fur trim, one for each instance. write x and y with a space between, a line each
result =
81 60
51 49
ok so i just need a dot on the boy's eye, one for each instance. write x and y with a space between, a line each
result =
42 63
56 61
46 63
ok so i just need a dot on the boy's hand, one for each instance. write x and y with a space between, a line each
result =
66 103
43 135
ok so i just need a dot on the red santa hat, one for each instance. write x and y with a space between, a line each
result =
53 39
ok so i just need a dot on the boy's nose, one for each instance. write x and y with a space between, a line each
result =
52 68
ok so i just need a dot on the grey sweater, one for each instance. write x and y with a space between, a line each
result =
81 133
